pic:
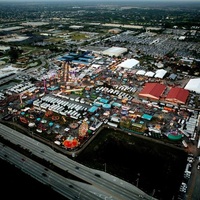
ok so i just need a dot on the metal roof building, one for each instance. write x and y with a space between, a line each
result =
152 91
177 95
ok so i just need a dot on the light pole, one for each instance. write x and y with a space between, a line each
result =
137 182
105 167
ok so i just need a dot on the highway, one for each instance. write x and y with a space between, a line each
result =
106 186
62 185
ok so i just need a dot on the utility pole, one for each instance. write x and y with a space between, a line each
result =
137 181
105 166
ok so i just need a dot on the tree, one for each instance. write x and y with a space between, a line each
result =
14 54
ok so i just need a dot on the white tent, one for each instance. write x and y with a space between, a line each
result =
150 74
129 63
160 73
114 51
193 85
140 72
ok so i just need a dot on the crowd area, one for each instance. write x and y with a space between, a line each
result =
101 94
67 104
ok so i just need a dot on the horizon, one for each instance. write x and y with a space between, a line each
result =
189 1
160 2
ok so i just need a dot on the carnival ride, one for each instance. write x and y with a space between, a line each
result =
48 113
55 118
83 128
70 142
24 120
73 125
45 85
174 135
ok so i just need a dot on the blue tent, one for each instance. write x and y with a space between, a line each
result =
106 106
92 109
146 116
103 100
50 123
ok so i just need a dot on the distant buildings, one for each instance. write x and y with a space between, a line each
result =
76 27
114 30
34 24
4 48
115 51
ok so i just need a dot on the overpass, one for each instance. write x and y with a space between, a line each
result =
110 187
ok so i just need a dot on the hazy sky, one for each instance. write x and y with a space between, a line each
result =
100 0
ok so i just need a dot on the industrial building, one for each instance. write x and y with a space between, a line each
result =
177 95
152 90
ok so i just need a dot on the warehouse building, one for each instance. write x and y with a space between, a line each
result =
177 95
152 90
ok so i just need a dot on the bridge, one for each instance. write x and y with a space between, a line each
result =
98 184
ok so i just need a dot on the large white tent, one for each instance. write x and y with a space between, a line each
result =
149 74
129 63
193 85
160 73
141 72
114 51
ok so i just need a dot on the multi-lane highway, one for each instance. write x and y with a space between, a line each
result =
66 187
104 185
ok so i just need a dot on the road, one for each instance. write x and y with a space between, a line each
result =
66 187
110 186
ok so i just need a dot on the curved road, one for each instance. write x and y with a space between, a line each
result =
109 185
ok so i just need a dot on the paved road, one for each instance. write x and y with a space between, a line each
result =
109 185
66 187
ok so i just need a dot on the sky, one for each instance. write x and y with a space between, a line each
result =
190 1
97 0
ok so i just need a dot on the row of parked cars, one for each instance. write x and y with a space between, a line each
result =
187 174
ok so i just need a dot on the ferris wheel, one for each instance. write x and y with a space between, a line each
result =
83 129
